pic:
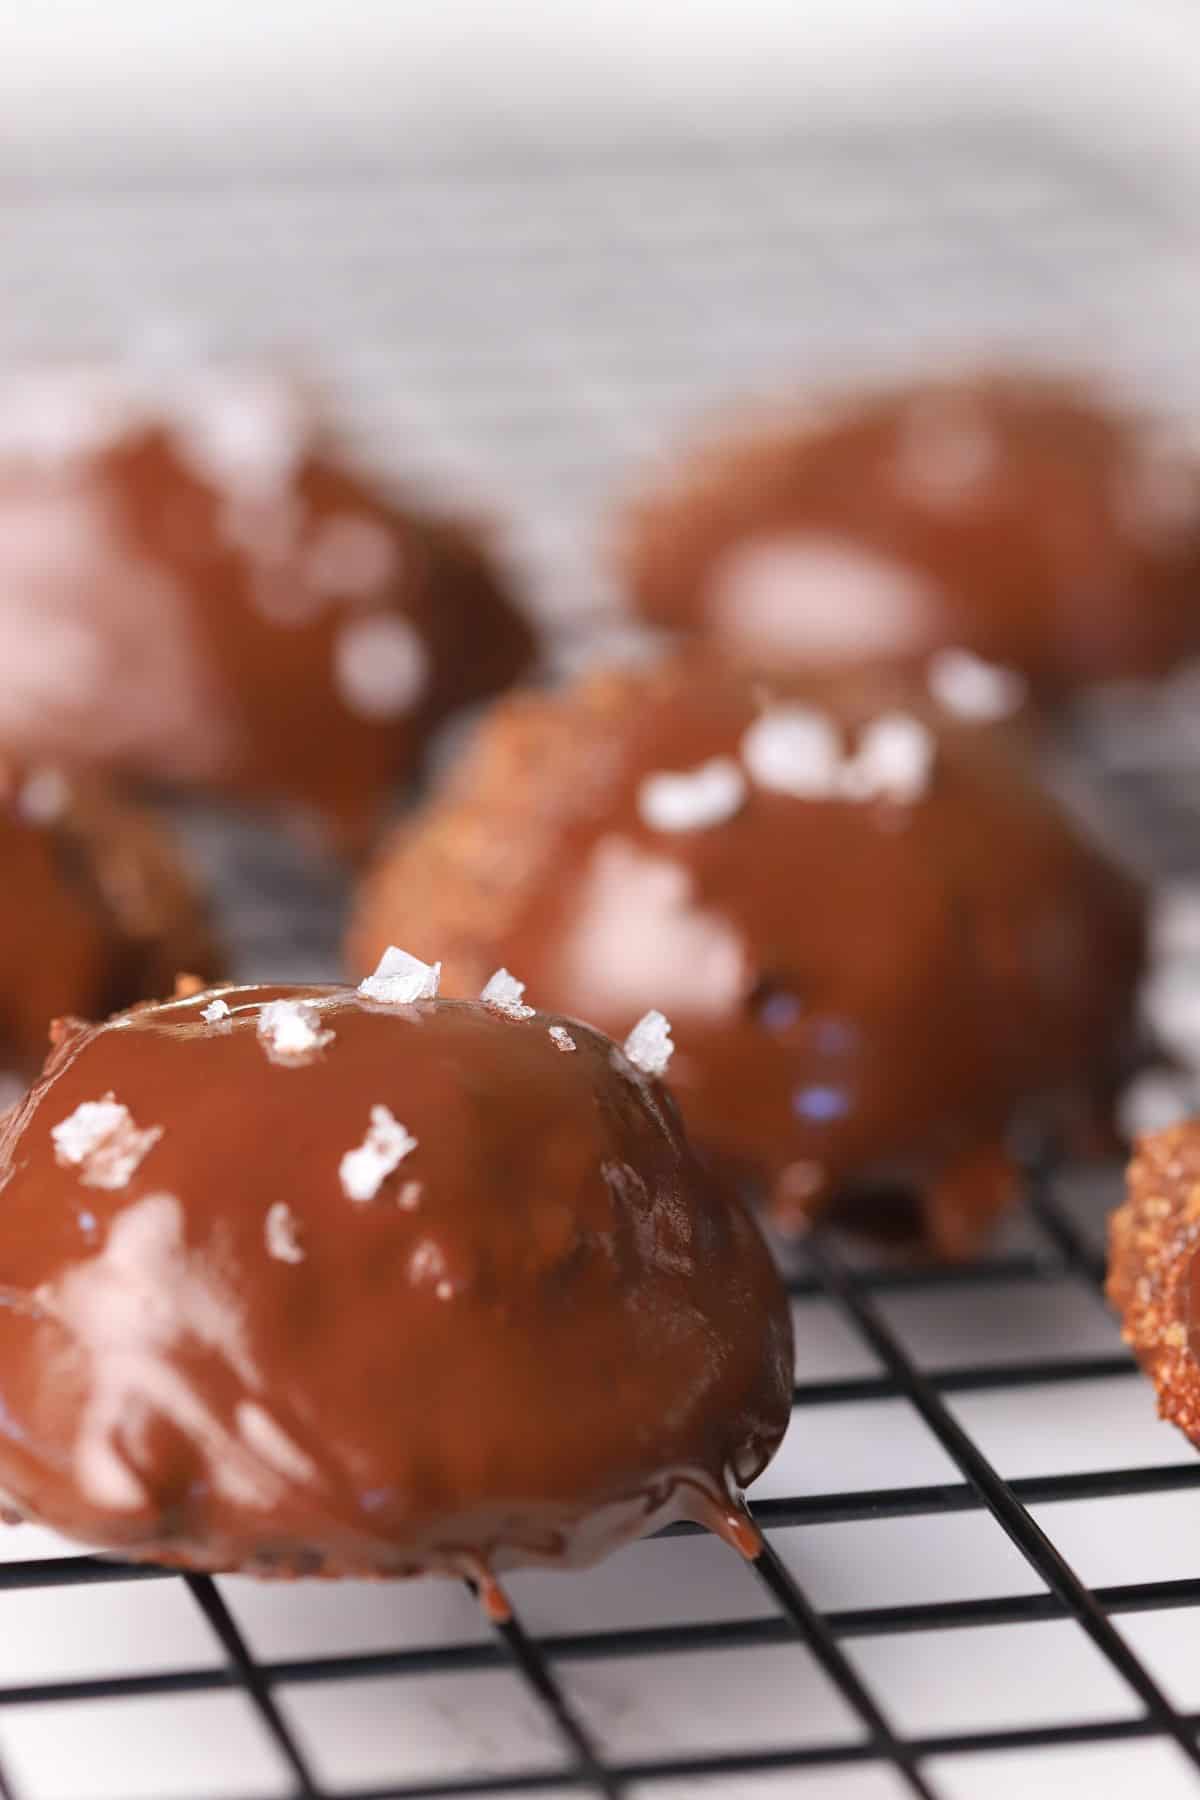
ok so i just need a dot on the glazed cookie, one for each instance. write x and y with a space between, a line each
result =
336 1281
1022 518
197 587
880 942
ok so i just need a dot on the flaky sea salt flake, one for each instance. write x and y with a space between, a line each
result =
101 1140
794 750
282 1234
502 992
695 799
648 1046
970 688
45 796
400 979
290 1030
215 1011
893 761
380 665
561 1038
363 1171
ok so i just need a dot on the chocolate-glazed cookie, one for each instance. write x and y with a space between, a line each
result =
326 1281
1023 518
196 587
95 909
1154 1269
879 941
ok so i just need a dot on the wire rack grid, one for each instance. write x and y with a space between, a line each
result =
978 1574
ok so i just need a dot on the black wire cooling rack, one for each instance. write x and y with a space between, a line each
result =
978 1578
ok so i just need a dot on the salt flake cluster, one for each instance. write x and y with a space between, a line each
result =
363 1171
401 979
693 799
561 1038
894 761
796 750
282 1233
290 1030
502 992
215 1011
649 1046
970 688
102 1141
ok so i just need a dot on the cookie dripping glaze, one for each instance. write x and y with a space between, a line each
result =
527 1328
881 944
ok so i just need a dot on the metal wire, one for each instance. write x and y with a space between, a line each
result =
251 1677
1007 1510
538 1675
816 1633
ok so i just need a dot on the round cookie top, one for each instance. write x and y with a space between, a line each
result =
1025 518
878 940
330 1280
96 910
196 586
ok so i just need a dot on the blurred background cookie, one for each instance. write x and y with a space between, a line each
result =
196 587
1023 517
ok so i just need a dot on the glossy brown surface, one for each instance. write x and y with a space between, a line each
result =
549 1330
95 910
1154 1269
863 992
1023 518
195 587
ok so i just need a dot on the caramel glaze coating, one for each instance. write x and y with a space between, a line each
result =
550 1332
865 995
95 910
289 635
1154 1269
1020 517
